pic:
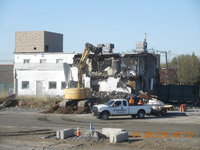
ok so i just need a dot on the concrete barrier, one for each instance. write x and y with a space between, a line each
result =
119 137
115 135
108 131
65 133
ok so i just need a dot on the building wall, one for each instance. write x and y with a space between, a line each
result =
50 57
38 41
54 41
45 76
6 79
34 72
145 68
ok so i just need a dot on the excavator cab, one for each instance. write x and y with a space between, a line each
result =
73 84
75 93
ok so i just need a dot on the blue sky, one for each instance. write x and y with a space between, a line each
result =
170 24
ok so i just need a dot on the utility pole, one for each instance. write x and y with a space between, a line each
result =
166 61
167 75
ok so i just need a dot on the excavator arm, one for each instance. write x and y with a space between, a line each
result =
88 47
79 92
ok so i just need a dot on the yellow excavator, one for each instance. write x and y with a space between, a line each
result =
78 91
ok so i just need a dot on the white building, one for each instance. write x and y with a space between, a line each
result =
41 73
38 64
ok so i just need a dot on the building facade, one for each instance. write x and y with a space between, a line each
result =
41 67
38 63
41 73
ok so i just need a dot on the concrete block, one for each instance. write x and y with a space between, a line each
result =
118 137
108 131
58 134
65 133
115 135
83 103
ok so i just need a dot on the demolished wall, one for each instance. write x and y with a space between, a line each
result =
129 73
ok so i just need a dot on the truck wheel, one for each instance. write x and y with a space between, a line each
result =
133 116
141 114
105 116
163 112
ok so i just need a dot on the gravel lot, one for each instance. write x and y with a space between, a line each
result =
25 129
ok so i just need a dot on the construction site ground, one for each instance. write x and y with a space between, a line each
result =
25 129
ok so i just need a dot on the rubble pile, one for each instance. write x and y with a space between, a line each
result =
71 108
92 135
32 104
8 101
103 97
113 84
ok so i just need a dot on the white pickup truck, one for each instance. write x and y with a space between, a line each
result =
119 107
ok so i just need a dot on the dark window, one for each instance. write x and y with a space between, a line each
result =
52 85
73 84
124 103
25 84
46 48
42 61
117 103
63 85
26 61
35 48
59 61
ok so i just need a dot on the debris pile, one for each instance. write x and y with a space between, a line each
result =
113 84
71 108
105 96
92 135
53 107
8 101
32 104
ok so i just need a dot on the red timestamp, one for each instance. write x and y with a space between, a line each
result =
163 134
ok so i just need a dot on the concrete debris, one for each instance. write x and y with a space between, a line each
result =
8 101
113 84
107 48
105 96
93 136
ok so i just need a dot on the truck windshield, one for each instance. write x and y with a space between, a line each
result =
109 103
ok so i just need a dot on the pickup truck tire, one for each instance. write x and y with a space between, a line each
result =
163 112
105 115
141 114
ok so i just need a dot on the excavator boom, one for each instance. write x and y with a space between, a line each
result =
80 92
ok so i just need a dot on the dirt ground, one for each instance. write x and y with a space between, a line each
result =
26 130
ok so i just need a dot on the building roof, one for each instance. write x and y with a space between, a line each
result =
6 73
